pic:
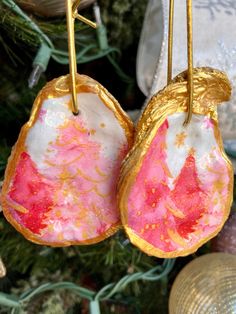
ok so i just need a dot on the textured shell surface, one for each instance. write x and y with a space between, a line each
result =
3 270
205 286
180 191
226 239
60 182
49 8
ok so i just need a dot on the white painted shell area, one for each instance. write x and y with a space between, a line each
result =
199 135
94 114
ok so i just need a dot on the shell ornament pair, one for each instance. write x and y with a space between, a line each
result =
74 180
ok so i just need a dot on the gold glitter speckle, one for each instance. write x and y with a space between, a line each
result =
179 139
192 151
219 185
60 236
58 213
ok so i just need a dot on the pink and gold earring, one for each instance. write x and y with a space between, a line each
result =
60 181
175 188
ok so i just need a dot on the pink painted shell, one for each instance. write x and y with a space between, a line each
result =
60 182
175 188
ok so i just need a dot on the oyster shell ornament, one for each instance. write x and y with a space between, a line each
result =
60 182
175 188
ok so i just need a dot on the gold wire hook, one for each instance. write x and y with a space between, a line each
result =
170 41
190 61
190 54
71 15
76 4
76 15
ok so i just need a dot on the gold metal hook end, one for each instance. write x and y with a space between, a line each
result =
85 20
72 55
72 14
78 16
190 61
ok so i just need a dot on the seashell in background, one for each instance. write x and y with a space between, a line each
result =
226 239
3 270
207 285
49 8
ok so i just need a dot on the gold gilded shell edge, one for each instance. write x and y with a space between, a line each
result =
152 118
58 88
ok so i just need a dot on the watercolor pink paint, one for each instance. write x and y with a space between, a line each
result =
178 197
60 185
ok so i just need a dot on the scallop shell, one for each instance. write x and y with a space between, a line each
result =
60 182
207 285
175 188
49 8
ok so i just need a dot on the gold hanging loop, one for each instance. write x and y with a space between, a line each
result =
71 15
190 53
170 41
72 55
190 61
